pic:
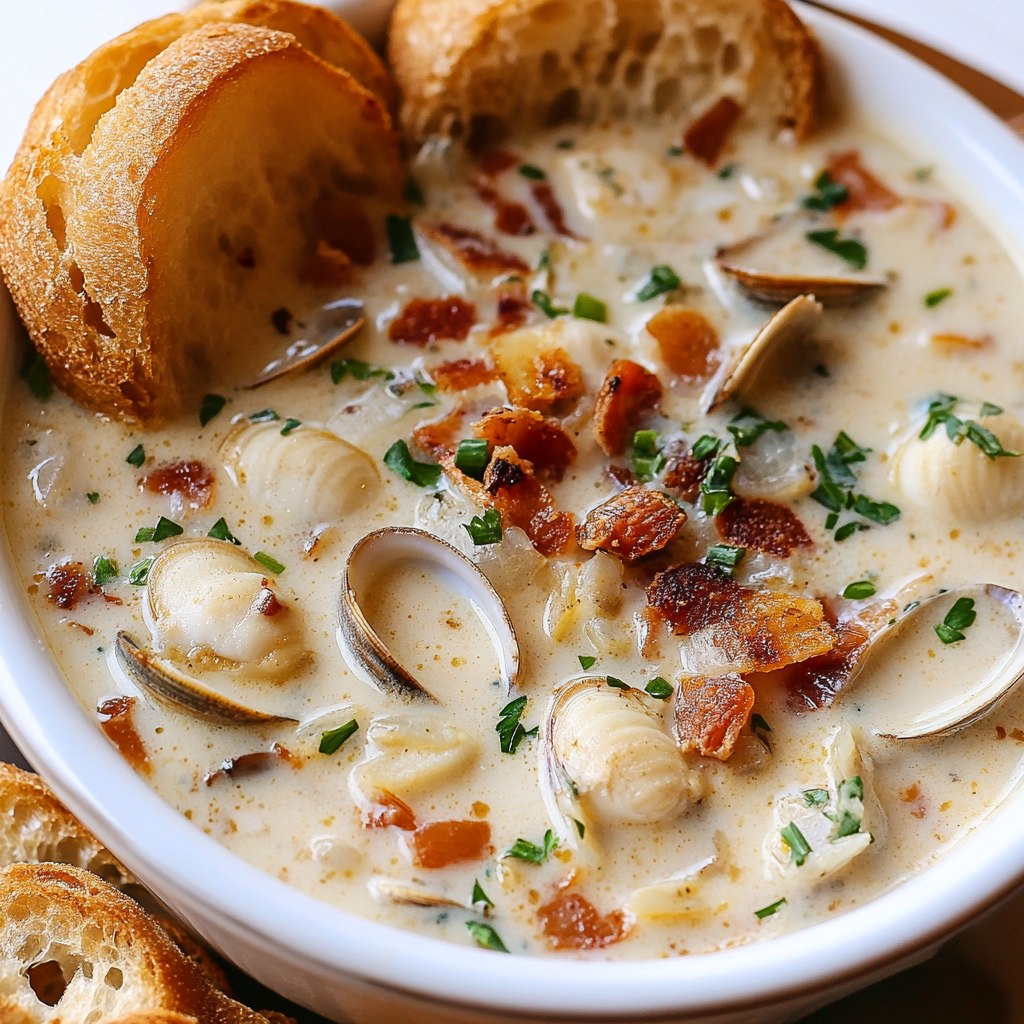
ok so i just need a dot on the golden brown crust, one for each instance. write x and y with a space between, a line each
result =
476 68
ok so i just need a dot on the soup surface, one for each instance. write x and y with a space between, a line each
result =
718 767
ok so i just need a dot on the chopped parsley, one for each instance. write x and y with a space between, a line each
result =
940 412
509 729
659 688
988 409
334 739
357 369
715 488
220 531
479 896
164 528
859 591
94 497
772 908
472 456
104 570
618 684
674 151
544 263
580 827
139 572
486 936
815 797
850 806
523 849
932 299
532 172
760 728
586 307
724 557
269 561
663 279
587 661
748 425
264 416
137 456
647 458
798 846
705 445
486 530
212 405
845 531
836 480
543 302
289 425
727 171
413 192
399 459
958 618
607 176
401 240
827 193
848 249
36 374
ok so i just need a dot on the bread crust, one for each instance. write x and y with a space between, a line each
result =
478 68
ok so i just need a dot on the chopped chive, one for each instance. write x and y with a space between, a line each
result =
137 456
647 458
472 457
399 459
748 425
715 488
932 299
586 307
486 936
212 404
705 445
815 797
848 249
724 557
509 729
94 497
264 416
772 908
831 519
543 302
104 570
401 240
798 845
859 591
334 739
479 896
659 688
587 661
289 425
663 279
531 172
36 374
845 531
958 618
618 684
523 849
357 369
139 572
413 192
486 530
220 531
270 562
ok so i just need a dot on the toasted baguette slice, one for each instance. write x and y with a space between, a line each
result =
115 960
148 268
482 69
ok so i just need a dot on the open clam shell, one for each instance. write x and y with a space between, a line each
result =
167 683
779 289
364 650
412 895
794 321
332 327
999 633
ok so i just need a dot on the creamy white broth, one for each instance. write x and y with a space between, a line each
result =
301 821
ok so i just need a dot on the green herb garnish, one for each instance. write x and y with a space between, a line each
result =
663 279
958 618
543 302
94 497
647 458
586 307
544 262
848 249
705 445
798 846
357 369
479 896
401 239
607 176
220 531
264 416
859 590
836 481
580 827
139 572
587 661
748 425
104 570
413 192
815 797
164 528
674 151
618 684
845 531
659 688
334 739
472 457
725 557
523 849
531 172
760 728
727 171
486 530
399 459
716 488
988 409
850 806
212 404
772 908
36 374
828 193
932 299
137 456
940 412
509 729
269 561
486 936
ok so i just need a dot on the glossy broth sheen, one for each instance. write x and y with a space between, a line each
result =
866 371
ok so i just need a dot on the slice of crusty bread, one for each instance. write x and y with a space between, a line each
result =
486 68
115 961
150 265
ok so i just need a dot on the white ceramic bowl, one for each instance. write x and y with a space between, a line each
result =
348 968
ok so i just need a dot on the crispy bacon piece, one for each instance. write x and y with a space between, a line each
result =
814 683
68 583
512 307
709 713
494 161
745 630
958 342
865 191
326 267
632 524
254 763
525 502
762 525
424 321
438 436
460 374
441 843
544 196
706 137
537 375
388 811
474 251
543 443
570 921
509 218
191 482
627 394
684 473
116 717
688 342
621 476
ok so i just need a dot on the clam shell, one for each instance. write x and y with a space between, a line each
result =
779 289
412 896
367 654
337 323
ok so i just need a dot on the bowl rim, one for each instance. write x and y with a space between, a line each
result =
983 162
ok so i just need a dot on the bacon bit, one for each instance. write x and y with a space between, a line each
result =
1000 733
116 720
389 811
267 603
865 191
543 443
710 712
684 473
632 524
762 525
688 342
621 476
87 630
493 161
570 921
706 137
814 683
343 224
424 321
525 502
953 342
757 630
111 599
536 374
475 251
627 394
189 481
254 763
438 436
326 267
914 797
509 218
545 197
461 374
68 583
441 843
513 308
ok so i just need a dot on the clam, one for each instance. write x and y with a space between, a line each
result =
308 474
412 895
334 325
906 659
673 898
794 321
779 289
367 654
